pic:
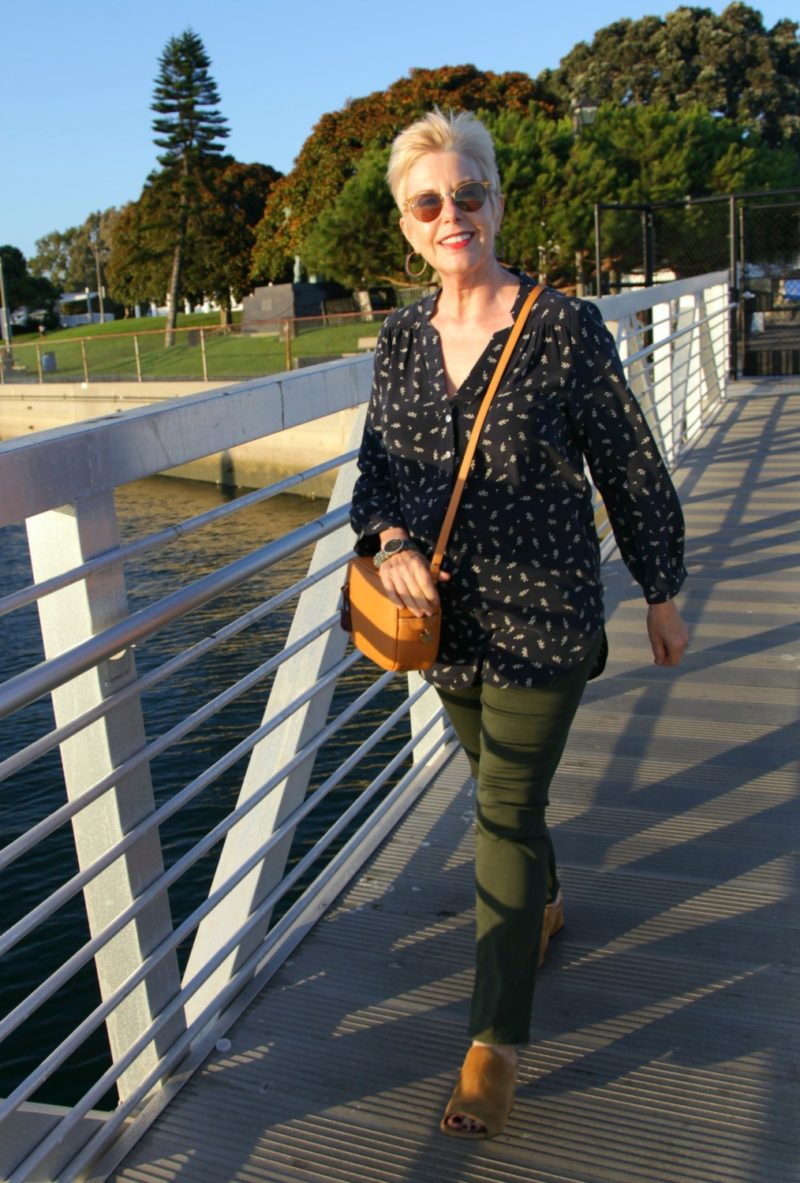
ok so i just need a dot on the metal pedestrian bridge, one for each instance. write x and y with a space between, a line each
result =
296 1012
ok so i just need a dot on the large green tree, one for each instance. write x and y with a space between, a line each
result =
55 258
139 268
357 240
77 258
642 154
533 149
729 62
217 237
189 131
232 204
23 290
551 175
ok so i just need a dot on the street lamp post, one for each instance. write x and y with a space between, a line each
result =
5 325
96 253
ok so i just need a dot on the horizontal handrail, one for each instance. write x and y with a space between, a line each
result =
61 467
648 350
26 687
29 595
226 994
153 677
623 304
14 850
57 980
152 821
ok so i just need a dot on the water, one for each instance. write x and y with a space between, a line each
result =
143 508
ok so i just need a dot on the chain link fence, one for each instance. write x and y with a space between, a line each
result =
201 354
208 353
754 236
769 312
638 245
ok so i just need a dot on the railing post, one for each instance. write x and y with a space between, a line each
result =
713 350
721 340
85 360
687 389
628 333
203 354
422 710
302 671
697 384
663 379
138 357
288 343
39 362
734 286
59 540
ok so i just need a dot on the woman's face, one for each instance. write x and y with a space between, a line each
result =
456 244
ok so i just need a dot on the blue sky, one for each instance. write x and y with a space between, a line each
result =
76 79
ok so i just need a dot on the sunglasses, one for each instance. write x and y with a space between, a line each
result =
469 197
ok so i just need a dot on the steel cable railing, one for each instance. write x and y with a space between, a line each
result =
29 595
225 995
145 755
57 980
154 677
153 820
26 687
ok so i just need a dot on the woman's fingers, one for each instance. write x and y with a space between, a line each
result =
409 584
669 636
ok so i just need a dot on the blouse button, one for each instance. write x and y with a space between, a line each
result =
448 418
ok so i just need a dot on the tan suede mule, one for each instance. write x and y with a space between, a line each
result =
485 1092
553 923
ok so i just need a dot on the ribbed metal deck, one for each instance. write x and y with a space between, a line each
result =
666 1015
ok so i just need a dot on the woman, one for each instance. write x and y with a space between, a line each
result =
521 594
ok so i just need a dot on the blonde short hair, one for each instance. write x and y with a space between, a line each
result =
455 132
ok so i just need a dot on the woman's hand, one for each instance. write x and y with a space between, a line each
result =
408 582
669 636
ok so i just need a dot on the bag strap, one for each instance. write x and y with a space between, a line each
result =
461 479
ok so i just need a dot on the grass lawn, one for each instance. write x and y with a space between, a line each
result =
110 349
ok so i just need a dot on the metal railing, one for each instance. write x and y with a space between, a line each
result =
198 353
169 986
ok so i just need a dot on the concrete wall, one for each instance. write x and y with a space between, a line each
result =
26 408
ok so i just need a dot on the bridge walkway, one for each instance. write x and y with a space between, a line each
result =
666 1030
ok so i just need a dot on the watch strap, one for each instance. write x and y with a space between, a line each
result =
385 553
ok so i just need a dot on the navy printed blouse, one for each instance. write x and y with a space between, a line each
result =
525 599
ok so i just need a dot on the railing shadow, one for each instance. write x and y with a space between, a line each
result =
674 962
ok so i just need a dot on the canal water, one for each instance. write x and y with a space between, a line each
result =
143 508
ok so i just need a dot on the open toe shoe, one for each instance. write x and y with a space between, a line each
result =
484 1092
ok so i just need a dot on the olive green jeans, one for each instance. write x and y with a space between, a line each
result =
513 739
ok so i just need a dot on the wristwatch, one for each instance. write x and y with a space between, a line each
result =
393 547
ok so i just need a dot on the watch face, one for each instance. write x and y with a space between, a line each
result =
393 545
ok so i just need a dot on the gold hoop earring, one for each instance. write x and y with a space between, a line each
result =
414 274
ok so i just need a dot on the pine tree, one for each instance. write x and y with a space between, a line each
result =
189 130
